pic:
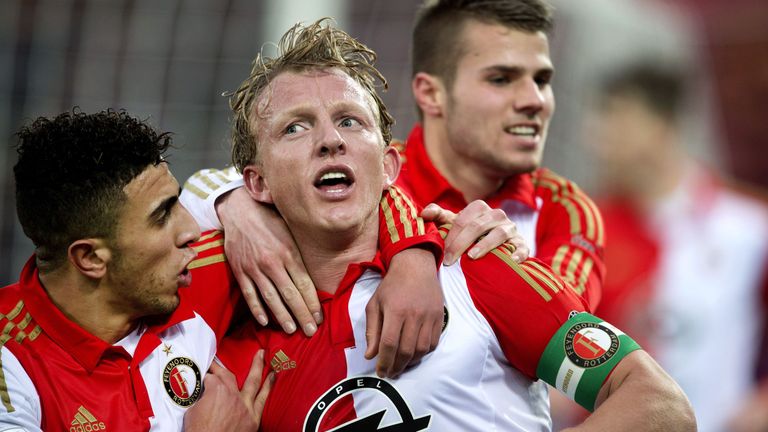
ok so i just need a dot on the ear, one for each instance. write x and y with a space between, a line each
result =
430 93
256 184
392 164
90 257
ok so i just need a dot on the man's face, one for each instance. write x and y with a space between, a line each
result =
498 108
323 162
151 245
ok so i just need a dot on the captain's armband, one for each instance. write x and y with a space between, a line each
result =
581 355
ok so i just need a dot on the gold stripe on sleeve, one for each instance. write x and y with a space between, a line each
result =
221 176
25 322
202 262
210 183
547 273
403 212
586 269
209 245
35 333
414 212
208 236
557 261
4 395
570 272
525 276
195 190
548 281
394 236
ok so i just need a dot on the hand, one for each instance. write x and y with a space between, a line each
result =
404 318
262 253
222 407
479 223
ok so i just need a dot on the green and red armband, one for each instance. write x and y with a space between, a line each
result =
581 355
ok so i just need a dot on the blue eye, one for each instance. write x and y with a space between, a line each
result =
348 122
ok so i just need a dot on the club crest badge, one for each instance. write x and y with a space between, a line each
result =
589 344
182 381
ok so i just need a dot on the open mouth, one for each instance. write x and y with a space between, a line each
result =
334 179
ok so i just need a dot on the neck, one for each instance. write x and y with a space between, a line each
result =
326 256
462 173
83 301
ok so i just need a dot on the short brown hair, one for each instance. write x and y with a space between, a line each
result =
302 48
435 46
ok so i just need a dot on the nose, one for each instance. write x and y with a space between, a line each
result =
329 140
188 230
530 97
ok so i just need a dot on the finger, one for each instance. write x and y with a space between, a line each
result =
437 214
495 238
253 380
274 302
406 347
252 299
373 325
307 290
388 344
424 344
293 299
522 251
261 398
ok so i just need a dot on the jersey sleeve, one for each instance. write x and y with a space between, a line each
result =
570 236
541 325
20 408
214 293
203 189
237 349
400 227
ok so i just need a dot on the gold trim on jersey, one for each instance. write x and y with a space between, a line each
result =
546 276
195 190
212 185
221 176
208 236
586 269
561 192
557 261
394 236
401 198
14 312
209 245
523 274
202 262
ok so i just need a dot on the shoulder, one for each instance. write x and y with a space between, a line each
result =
531 283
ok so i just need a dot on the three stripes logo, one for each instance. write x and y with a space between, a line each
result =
281 362
86 422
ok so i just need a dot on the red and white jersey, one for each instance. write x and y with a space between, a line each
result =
687 279
499 318
559 222
58 377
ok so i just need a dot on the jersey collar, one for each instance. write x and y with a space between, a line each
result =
84 347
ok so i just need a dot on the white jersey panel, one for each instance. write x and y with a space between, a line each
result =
26 415
707 305
525 218
173 372
482 392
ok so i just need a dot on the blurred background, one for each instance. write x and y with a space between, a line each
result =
169 61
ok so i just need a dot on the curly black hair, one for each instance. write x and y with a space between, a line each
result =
71 173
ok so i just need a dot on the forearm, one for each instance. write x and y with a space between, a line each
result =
644 398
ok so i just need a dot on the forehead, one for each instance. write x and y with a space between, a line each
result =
291 91
492 44
151 186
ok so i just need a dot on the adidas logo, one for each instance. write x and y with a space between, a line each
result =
281 362
86 422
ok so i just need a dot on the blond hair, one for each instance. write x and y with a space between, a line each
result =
317 46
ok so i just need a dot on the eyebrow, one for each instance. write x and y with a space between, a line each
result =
516 70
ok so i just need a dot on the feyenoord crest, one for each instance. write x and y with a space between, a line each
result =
589 344
182 381
371 422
